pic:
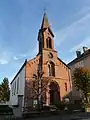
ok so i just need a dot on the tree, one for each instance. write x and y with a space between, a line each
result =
82 81
4 90
1 93
39 89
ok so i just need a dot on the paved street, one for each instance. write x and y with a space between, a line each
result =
77 116
63 117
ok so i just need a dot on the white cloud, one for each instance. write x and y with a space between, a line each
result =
71 30
15 58
2 61
5 57
84 10
30 54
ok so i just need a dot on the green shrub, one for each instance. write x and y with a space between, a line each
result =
61 105
5 109
87 105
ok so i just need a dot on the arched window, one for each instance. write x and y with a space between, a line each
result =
51 68
49 42
49 71
65 86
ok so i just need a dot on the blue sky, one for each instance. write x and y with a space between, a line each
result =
20 21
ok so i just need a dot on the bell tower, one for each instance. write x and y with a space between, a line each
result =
45 35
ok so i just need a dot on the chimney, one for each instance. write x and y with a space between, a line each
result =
85 49
78 53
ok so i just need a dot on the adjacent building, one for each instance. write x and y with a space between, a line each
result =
82 60
56 77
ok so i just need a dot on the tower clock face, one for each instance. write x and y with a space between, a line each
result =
50 55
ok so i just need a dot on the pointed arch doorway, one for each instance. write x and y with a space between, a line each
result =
54 93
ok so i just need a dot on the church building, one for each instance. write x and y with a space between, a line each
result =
45 77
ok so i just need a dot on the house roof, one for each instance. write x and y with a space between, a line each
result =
19 71
82 56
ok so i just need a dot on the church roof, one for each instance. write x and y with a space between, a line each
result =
19 71
63 63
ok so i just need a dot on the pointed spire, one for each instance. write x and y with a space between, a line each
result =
45 23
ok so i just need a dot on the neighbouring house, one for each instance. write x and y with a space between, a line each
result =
82 60
55 73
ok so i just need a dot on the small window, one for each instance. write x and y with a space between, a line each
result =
49 70
14 87
17 85
65 86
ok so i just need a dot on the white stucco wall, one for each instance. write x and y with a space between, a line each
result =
21 86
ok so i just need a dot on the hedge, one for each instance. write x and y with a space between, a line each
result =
5 109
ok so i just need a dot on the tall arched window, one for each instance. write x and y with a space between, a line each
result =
51 68
65 86
49 42
49 71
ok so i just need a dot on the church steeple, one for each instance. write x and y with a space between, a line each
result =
45 35
45 23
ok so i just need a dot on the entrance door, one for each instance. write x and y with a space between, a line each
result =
54 93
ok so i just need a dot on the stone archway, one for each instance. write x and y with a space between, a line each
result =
54 91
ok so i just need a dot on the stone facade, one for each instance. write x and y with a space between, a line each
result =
61 76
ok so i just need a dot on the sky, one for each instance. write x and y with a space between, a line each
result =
20 21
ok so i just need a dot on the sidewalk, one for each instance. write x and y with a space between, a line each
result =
80 116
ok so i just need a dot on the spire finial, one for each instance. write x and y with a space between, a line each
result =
45 23
45 10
